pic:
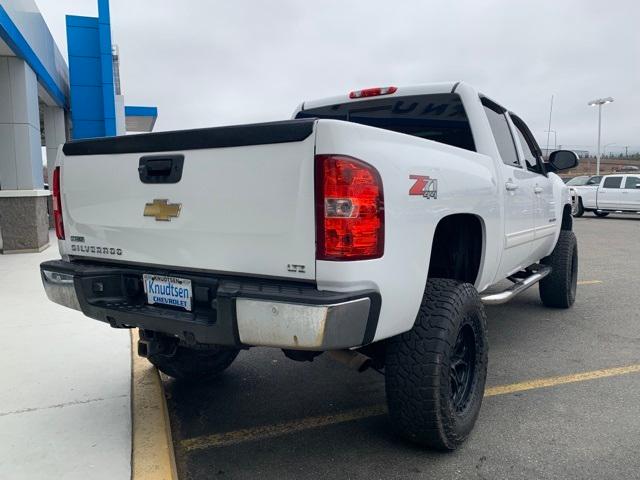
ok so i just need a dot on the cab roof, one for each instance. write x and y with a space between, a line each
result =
425 89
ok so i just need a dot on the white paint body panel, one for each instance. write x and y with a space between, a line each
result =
250 210
465 185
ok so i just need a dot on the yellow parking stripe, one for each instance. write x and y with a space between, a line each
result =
589 282
269 431
151 445
553 381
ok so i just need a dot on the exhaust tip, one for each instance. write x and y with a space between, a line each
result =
352 359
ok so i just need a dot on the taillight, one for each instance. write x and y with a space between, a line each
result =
372 92
349 209
57 205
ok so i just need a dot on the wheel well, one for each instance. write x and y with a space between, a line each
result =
457 248
567 218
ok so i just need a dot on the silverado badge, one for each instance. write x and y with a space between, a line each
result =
162 210
424 186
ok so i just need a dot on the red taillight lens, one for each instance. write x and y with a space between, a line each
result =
57 205
372 92
349 209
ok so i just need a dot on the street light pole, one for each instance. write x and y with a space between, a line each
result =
599 132
599 102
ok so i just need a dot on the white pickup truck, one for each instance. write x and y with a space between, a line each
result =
614 193
371 226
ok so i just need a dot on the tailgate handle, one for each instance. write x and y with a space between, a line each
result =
160 168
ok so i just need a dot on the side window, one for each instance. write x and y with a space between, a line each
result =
612 182
532 161
502 134
632 182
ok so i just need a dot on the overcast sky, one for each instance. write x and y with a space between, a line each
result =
215 62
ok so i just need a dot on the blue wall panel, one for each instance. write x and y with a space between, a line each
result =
109 98
86 103
82 36
86 71
88 129
91 74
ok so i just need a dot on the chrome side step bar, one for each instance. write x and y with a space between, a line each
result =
519 286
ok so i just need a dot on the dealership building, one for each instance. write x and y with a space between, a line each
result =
45 102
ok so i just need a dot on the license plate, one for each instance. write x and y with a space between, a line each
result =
171 291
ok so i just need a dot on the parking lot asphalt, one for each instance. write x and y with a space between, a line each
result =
269 417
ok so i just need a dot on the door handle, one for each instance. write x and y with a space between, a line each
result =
160 168
537 190
510 186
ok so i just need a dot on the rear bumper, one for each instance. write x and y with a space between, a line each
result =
231 311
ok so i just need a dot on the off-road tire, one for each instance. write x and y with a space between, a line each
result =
600 214
558 289
194 364
579 209
419 365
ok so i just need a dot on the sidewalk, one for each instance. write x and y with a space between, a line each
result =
66 382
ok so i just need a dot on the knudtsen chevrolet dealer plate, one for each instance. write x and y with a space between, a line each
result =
172 291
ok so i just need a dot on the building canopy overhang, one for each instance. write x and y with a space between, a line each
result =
24 33
140 119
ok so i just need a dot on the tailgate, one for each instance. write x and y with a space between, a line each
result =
246 200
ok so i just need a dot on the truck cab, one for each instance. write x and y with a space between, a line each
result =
531 197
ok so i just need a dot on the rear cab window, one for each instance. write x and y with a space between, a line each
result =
612 182
438 117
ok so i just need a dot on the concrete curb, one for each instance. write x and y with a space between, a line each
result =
152 455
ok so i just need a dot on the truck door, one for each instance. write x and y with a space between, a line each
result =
544 208
517 188
631 193
610 195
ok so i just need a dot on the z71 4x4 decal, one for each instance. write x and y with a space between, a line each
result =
424 186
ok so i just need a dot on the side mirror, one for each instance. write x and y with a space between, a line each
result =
562 160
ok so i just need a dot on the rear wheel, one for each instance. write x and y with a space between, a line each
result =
600 214
190 364
558 289
435 373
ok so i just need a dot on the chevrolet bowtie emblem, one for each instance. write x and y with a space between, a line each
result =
162 209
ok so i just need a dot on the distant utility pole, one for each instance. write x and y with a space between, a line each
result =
549 129
555 139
